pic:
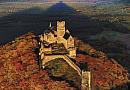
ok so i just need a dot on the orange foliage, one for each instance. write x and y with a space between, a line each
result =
19 70
105 73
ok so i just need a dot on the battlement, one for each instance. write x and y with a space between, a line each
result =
60 23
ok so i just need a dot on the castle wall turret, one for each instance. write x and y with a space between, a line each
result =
86 80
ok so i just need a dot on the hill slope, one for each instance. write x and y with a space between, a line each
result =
106 72
19 67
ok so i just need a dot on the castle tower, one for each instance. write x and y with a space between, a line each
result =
86 80
60 28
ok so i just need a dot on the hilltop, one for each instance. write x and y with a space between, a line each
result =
20 70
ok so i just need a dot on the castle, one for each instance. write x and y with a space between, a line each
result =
57 40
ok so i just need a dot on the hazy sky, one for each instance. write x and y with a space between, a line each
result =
75 0
91 1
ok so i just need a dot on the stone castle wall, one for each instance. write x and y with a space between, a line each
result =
66 58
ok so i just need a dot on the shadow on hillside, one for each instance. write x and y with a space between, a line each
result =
37 20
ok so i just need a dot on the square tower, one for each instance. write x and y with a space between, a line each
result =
60 28
86 80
